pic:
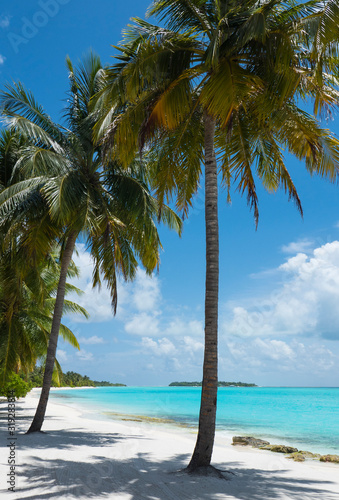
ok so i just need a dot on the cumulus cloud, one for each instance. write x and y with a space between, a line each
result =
61 356
143 324
2 59
96 302
146 294
84 355
192 345
154 324
138 299
181 326
303 245
280 356
179 347
159 347
305 304
91 340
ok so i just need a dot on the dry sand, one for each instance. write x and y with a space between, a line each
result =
79 457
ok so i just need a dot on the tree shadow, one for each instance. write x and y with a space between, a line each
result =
70 439
143 478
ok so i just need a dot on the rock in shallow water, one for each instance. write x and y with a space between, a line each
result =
279 448
300 456
330 458
249 441
297 457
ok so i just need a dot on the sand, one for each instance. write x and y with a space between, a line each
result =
79 457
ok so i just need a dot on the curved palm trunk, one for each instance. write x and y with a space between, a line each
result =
204 446
53 339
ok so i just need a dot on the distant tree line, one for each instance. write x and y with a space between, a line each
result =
220 384
22 383
68 379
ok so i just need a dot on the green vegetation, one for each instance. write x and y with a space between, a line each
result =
220 384
27 299
104 383
15 384
68 379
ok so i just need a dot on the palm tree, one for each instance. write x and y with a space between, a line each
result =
220 85
112 208
26 291
26 310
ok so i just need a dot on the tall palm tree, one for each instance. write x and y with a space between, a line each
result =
221 81
112 208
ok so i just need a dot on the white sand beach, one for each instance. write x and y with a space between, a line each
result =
82 458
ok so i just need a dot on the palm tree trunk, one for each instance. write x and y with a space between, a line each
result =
53 339
204 446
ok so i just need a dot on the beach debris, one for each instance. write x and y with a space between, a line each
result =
330 458
249 441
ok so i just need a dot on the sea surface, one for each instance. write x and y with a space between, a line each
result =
307 418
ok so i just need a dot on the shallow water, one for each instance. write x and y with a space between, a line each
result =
307 418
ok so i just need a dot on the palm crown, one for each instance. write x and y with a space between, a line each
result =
248 65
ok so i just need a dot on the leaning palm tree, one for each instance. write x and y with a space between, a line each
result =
28 279
110 207
219 85
27 299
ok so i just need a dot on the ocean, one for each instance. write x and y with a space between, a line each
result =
307 418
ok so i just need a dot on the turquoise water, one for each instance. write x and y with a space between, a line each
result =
307 418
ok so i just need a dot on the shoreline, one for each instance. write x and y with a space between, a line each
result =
222 433
77 457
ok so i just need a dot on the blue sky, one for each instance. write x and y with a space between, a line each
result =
279 285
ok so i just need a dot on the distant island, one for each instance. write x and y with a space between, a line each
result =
220 384
107 384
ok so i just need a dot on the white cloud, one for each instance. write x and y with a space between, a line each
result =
294 263
143 324
179 350
182 326
303 245
96 302
90 340
61 356
146 295
159 347
193 345
142 296
4 21
2 59
84 355
305 304
281 356
180 357
275 349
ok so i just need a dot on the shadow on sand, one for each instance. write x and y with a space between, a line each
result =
142 478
